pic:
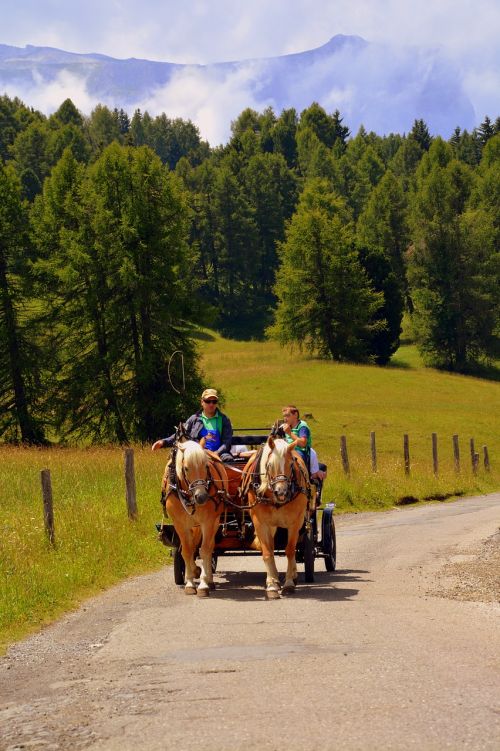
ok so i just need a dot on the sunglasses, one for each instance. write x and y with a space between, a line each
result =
210 401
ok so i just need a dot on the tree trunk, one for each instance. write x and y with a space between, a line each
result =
29 432
109 392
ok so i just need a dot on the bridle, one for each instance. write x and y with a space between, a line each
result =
293 487
274 481
187 497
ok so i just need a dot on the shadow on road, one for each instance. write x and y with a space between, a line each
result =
249 585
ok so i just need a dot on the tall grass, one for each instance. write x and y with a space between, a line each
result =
96 544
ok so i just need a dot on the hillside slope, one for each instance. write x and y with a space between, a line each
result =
258 378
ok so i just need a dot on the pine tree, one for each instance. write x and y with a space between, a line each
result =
283 136
29 150
420 133
341 132
115 278
382 234
67 114
325 302
316 119
485 131
450 266
235 243
103 128
20 387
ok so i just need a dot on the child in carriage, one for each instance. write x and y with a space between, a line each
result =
297 432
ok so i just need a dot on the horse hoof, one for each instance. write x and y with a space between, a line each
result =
189 590
212 586
203 592
197 572
287 590
272 594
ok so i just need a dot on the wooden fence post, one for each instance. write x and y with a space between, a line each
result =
130 484
486 458
406 450
472 454
456 453
343 453
48 509
435 464
374 451
475 463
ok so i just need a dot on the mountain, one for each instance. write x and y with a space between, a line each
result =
380 86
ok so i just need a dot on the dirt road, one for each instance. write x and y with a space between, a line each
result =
378 655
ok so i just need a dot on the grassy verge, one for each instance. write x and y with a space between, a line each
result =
96 544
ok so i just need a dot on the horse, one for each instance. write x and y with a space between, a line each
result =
277 491
193 491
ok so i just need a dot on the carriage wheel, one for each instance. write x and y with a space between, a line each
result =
329 540
179 567
309 554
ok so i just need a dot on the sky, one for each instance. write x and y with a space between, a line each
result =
204 31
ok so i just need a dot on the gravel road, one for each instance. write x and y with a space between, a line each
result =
398 649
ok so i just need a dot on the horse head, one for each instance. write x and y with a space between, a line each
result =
278 469
192 470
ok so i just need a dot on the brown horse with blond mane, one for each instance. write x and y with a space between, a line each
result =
277 492
194 488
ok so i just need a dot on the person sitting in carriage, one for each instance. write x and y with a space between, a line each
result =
297 431
208 423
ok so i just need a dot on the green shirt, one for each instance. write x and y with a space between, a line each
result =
301 430
212 429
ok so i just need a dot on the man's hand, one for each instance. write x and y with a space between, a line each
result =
157 445
286 428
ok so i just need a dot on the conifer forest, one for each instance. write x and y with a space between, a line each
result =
121 236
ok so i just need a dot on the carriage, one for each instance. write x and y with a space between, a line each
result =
236 534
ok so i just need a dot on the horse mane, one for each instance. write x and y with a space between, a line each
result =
273 458
193 456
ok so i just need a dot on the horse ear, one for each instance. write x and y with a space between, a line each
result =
180 433
181 447
270 443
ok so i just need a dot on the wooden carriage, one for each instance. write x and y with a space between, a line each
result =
236 534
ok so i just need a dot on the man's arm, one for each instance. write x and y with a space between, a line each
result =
165 443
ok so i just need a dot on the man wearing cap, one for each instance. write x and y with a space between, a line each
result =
208 423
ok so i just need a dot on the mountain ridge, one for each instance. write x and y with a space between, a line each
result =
383 87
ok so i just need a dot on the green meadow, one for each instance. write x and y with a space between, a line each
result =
96 544
258 378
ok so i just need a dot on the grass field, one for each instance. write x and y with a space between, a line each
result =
258 378
96 544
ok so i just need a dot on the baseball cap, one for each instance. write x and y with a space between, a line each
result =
210 393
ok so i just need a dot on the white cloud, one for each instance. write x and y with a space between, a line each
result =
48 96
208 98
202 31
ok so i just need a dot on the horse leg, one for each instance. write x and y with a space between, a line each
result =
182 525
209 529
187 550
265 533
290 550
